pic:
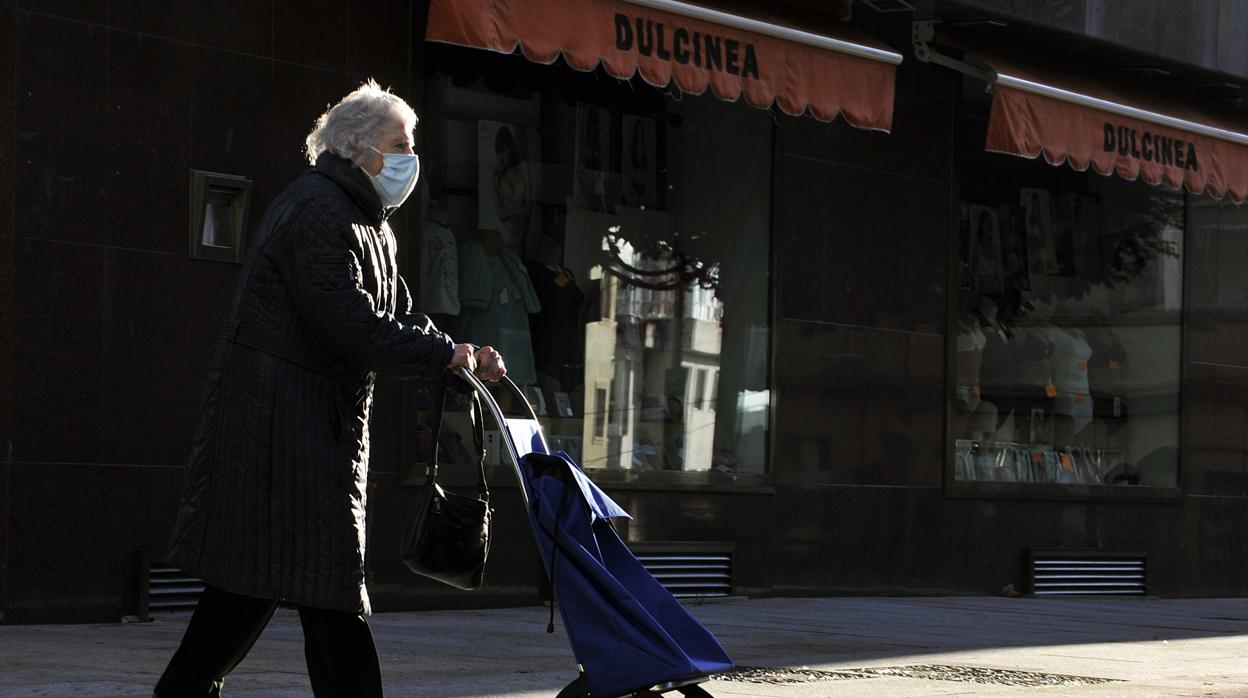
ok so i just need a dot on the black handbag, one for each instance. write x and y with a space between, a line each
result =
447 535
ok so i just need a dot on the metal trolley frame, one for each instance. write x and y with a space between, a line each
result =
579 687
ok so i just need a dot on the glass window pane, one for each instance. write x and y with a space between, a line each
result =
683 296
613 242
1068 332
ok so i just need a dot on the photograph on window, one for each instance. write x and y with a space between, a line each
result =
1064 232
508 181
1037 217
593 158
640 162
1015 274
986 244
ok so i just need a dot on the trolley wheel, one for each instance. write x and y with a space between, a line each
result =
691 691
578 688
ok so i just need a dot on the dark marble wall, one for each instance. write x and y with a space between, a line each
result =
1215 399
860 240
7 333
1216 356
860 245
872 540
115 103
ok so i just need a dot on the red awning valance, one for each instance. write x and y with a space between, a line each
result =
694 46
1114 124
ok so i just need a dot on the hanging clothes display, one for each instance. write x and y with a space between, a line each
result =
495 298
1070 375
439 269
562 307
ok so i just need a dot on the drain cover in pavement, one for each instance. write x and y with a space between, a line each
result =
784 675
1003 677
937 672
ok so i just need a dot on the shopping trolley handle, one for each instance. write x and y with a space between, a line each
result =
487 399
509 384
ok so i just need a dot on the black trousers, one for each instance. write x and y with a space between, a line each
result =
338 646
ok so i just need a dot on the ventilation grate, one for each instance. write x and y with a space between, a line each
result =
690 574
169 589
1066 574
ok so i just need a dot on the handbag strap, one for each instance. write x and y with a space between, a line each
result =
477 417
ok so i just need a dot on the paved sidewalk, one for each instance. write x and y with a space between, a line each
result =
894 647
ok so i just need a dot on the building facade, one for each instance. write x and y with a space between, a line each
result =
873 319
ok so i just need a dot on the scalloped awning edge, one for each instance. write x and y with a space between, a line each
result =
666 48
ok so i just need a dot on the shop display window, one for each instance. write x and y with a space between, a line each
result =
612 241
1067 330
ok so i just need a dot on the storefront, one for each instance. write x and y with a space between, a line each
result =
833 297
600 209
612 237
749 310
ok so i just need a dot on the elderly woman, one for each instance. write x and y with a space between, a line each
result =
274 505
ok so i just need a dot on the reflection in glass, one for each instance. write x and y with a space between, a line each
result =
639 204
1068 336
676 353
651 353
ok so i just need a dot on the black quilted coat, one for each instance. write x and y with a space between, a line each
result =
275 486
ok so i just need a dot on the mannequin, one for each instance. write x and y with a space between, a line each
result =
496 298
1033 372
1106 374
1072 405
558 342
974 418
1015 373
439 262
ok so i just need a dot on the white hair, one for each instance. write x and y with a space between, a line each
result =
349 127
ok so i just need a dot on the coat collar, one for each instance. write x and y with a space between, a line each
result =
355 182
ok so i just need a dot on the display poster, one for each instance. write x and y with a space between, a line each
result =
985 248
1038 223
593 158
1064 222
1014 270
508 177
640 153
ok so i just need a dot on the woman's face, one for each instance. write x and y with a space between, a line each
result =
393 139
506 154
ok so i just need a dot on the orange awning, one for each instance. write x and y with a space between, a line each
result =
692 45
1131 127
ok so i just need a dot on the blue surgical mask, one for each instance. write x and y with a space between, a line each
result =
397 178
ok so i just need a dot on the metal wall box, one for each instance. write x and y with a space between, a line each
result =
219 204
